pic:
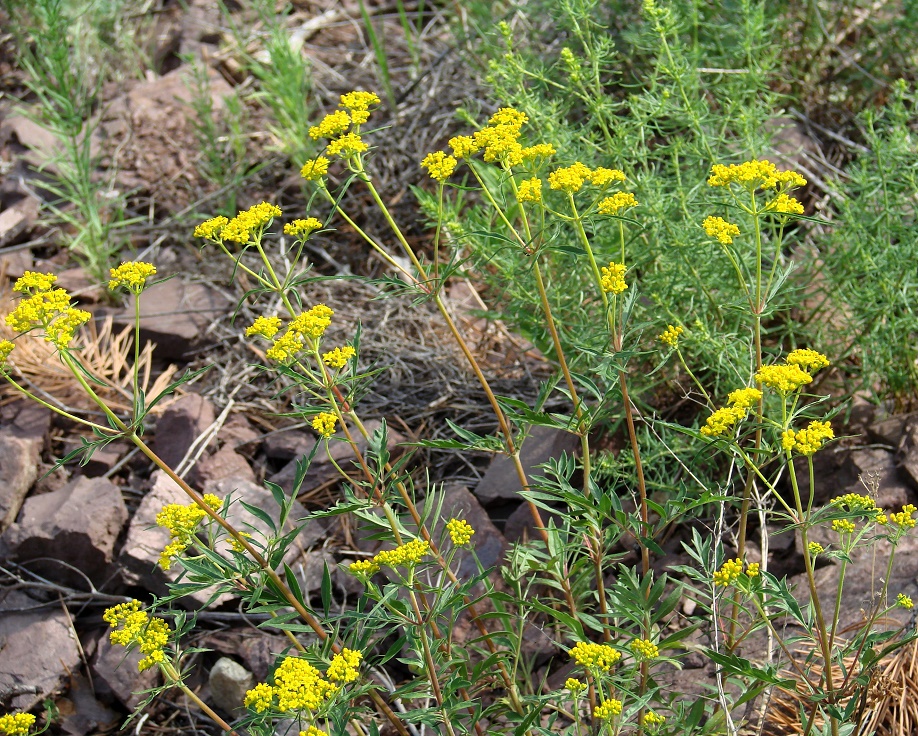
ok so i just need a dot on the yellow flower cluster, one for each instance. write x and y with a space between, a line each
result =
809 440
603 177
783 378
460 531
6 347
569 179
754 175
613 278
364 567
132 276
324 423
267 327
344 667
331 126
594 656
903 601
31 281
16 724
211 229
881 519
309 325
182 522
719 228
131 626
904 518
670 336
347 145
260 697
315 168
463 146
645 648
722 421
539 150
298 685
50 310
815 548
843 526
248 222
608 709
616 203
728 573
439 165
753 570
744 398
313 731
785 205
574 685
339 357
653 720
302 229
358 104
408 554
530 190
808 360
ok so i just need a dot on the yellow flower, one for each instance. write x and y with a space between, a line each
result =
324 423
754 175
250 221
267 327
843 526
344 666
182 522
653 720
6 347
339 357
315 168
408 554
302 229
358 103
312 324
211 229
460 531
645 649
313 731
903 519
613 278
881 519
464 146
719 228
543 150
500 144
808 441
744 398
236 545
364 568
133 627
298 685
808 360
346 146
602 177
509 116
608 709
753 570
133 276
51 311
331 126
439 165
722 421
728 573
785 205
815 548
569 179
285 347
16 724
903 601
670 335
594 656
260 697
32 281
530 190
574 685
616 203
783 378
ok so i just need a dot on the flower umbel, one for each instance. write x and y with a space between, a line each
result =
339 357
670 336
324 423
608 709
594 656
439 165
16 724
344 666
134 627
132 276
460 531
719 228
613 278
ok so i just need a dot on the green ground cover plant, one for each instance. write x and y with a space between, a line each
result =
611 620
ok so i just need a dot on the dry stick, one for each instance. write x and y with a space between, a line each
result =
288 595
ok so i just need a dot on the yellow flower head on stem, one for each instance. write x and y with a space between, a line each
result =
720 229
728 573
464 146
753 175
407 555
300 686
603 177
313 323
346 146
616 203
808 360
131 275
315 168
653 720
843 526
134 627
569 179
574 685
16 724
302 229
608 709
364 568
530 190
460 531
324 423
439 165
903 519
331 126
903 601
807 441
644 648
783 378
815 548
539 150
6 347
31 282
785 205
594 656
744 398
358 104
211 229
260 697
613 278
248 222
344 666
339 357
722 421
670 336
267 327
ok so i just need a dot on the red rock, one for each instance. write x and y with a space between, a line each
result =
180 425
